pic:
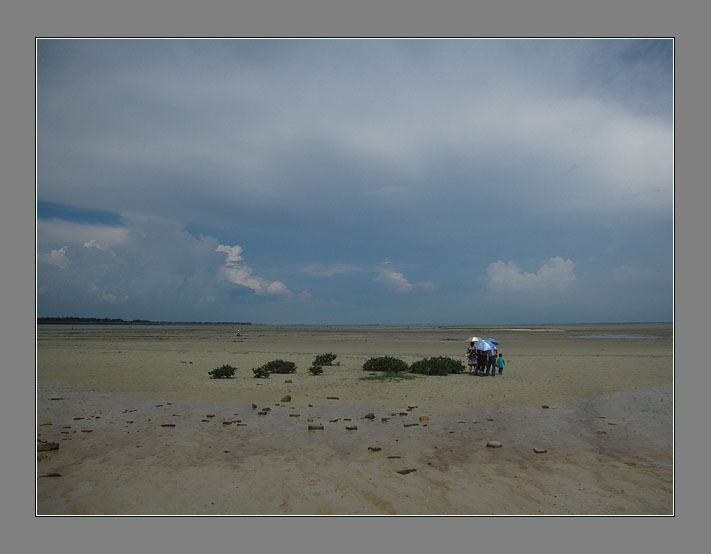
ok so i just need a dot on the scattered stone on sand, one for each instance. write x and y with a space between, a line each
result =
47 446
263 412
489 419
57 398
78 418
51 475
411 407
545 406
403 413
267 409
410 424
294 415
352 428
335 420
254 406
394 457
406 471
310 419
424 418
371 415
43 424
315 427
611 423
91 430
209 415
384 419
374 448
288 381
540 450
601 432
159 405
228 422
167 424
493 444
347 419
286 398
332 398
311 405
204 420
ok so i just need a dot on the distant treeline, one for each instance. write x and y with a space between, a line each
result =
118 321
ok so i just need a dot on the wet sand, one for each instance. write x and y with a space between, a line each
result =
143 430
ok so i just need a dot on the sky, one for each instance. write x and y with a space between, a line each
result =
448 181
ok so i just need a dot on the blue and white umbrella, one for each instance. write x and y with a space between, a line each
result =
484 346
492 341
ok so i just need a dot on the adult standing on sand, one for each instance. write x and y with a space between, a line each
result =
471 357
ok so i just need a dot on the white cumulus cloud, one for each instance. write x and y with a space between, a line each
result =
555 273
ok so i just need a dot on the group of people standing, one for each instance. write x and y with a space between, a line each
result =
484 362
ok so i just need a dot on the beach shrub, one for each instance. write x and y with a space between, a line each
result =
261 372
280 366
440 365
316 369
324 359
224 372
385 363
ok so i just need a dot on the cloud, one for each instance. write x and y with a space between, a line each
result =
55 257
396 282
241 274
551 276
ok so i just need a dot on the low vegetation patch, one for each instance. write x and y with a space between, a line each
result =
275 366
387 364
324 359
440 365
316 369
224 372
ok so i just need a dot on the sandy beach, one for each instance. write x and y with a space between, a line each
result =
584 415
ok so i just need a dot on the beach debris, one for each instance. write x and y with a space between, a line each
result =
384 419
315 427
489 419
611 423
288 381
167 424
406 471
493 444
91 430
310 419
403 413
78 418
374 448
332 398
159 405
394 457
424 418
410 424
351 428
540 450
370 415
209 415
267 409
43 424
286 398
335 420
52 475
263 412
57 398
411 408
254 406
294 415
545 406
347 419
47 446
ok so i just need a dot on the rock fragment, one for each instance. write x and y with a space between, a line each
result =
406 471
493 444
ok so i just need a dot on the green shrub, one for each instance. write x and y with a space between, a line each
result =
324 359
280 366
385 363
224 372
440 365
316 369
261 372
